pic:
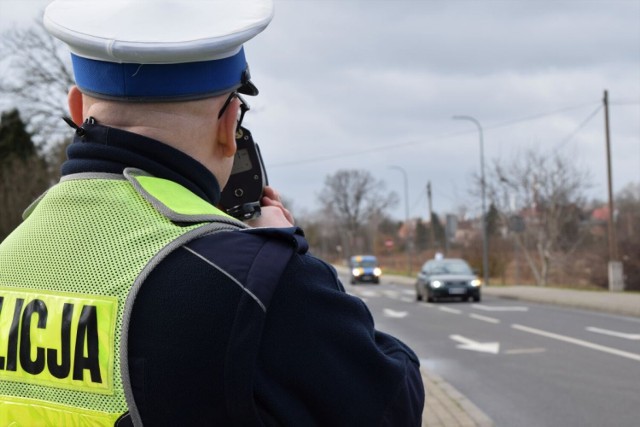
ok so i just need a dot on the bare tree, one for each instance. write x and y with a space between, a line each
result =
353 197
37 78
540 196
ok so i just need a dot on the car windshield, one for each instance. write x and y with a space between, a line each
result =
450 267
365 263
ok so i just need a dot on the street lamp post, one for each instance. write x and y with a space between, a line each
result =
406 214
485 259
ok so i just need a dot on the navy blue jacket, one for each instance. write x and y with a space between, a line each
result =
247 328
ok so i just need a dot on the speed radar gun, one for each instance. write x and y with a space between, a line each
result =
242 194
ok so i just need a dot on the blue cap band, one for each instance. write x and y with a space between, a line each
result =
159 82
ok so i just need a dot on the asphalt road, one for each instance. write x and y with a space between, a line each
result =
523 364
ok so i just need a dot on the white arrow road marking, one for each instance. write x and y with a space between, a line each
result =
484 318
449 310
499 308
483 347
387 312
614 333
605 349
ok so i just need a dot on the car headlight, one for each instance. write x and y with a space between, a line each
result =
436 284
356 272
377 272
475 283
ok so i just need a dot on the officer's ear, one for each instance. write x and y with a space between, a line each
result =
227 128
75 105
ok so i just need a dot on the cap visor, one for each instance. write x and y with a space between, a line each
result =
248 88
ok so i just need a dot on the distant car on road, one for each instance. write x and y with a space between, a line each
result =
364 268
447 277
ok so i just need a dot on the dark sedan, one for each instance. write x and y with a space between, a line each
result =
447 278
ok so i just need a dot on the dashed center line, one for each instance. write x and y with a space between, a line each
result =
387 312
365 293
499 308
484 318
449 310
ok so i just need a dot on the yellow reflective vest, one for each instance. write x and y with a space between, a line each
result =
68 277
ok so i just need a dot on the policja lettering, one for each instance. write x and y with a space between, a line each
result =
56 340
86 337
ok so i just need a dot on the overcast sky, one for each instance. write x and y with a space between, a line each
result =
350 84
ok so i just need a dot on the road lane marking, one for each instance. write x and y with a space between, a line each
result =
372 294
407 299
587 344
449 310
624 335
387 312
469 344
484 318
499 308
526 350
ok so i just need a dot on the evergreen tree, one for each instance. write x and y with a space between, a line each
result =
23 173
14 138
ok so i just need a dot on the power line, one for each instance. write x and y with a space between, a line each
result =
580 126
626 102
423 141
537 116
417 201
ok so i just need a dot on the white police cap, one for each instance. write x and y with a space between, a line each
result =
158 50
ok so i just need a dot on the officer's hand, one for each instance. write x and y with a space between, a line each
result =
274 214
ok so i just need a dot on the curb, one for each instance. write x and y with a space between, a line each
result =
620 303
446 407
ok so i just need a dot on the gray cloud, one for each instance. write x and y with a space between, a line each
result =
369 84
359 76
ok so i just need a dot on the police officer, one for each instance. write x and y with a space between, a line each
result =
128 297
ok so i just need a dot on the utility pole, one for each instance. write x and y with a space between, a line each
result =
408 240
431 228
616 277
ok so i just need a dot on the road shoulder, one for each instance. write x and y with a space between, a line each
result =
622 303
